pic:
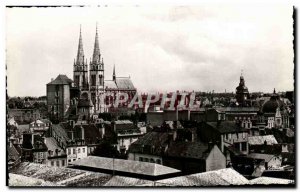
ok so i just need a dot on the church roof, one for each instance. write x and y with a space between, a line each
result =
110 84
121 83
61 80
124 83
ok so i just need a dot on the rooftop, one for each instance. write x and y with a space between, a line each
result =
211 178
270 180
127 166
265 157
61 80
226 126
260 140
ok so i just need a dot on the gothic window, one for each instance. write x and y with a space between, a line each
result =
93 80
77 80
101 79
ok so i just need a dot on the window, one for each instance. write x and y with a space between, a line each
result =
69 151
62 163
83 150
78 150
74 151
244 146
146 160
57 163
69 160
244 135
52 163
141 159
74 159
158 161
93 80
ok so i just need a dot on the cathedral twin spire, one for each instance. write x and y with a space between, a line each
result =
80 53
96 54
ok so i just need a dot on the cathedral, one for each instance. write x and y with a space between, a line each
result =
89 78
84 94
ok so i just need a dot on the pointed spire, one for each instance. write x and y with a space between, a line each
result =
114 73
96 53
274 91
80 53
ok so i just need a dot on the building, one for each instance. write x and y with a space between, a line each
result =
84 96
56 155
58 97
271 161
177 146
225 134
40 126
274 110
22 116
135 169
127 133
242 93
71 140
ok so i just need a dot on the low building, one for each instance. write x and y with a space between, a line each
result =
271 161
56 155
225 134
40 126
65 136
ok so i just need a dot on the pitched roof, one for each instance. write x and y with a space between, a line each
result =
260 140
156 140
52 144
119 181
270 180
57 176
61 132
91 133
226 126
44 172
195 150
61 80
266 157
12 153
226 176
124 83
110 84
23 181
128 166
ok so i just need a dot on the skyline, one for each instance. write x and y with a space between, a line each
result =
186 58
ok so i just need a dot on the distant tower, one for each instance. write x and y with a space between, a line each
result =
96 75
80 68
242 93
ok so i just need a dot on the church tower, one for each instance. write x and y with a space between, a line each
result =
242 93
80 68
96 76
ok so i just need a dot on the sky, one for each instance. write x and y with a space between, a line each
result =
161 48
